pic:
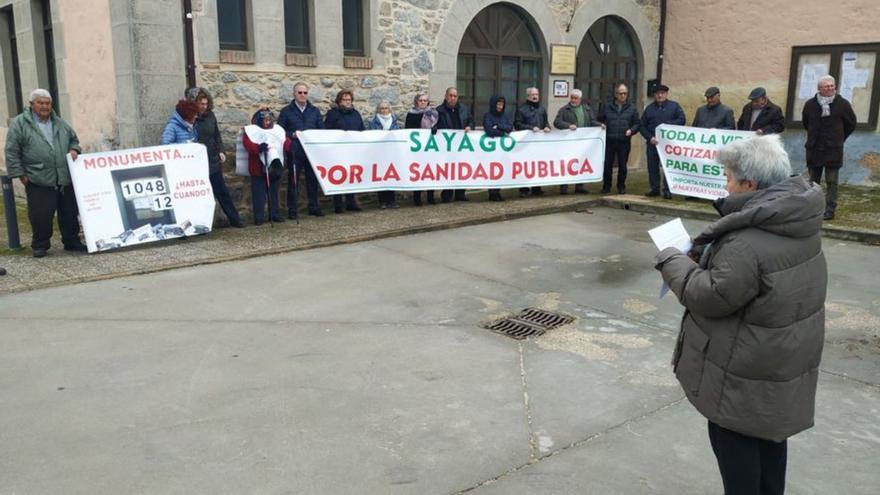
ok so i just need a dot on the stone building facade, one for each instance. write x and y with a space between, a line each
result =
118 66
121 64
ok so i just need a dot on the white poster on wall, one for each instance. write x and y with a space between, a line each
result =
135 196
809 80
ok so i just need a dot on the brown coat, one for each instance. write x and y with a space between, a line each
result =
825 135
752 333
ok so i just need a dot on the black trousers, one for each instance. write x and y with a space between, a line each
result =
221 194
748 465
386 197
619 150
303 167
260 192
448 195
42 203
654 172
417 196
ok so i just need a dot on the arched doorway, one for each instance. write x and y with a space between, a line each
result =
500 53
607 55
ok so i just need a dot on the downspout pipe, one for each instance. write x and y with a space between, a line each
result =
661 42
190 44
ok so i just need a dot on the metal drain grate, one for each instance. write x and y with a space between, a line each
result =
530 322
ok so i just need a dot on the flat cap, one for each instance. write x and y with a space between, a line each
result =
757 93
712 91
661 87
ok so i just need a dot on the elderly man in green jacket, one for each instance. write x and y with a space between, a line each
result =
37 145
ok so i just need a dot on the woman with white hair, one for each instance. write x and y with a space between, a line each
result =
753 288
384 120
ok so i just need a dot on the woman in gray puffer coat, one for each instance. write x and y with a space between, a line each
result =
752 333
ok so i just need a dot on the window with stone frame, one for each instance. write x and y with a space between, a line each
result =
296 26
232 24
353 28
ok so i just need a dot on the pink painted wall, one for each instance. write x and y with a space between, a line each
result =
737 45
88 71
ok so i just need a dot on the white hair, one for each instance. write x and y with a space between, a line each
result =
824 79
39 93
577 92
760 159
300 84
532 88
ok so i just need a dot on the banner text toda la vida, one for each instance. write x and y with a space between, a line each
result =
417 159
689 156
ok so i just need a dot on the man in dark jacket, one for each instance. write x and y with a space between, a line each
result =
577 113
661 111
751 337
714 114
453 115
621 121
208 133
761 115
531 116
829 119
301 115
37 145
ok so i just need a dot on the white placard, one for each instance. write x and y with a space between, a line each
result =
133 196
416 159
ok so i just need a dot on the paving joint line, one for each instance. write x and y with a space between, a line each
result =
533 447
572 445
850 378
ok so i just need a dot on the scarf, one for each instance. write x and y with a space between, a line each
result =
429 118
385 120
825 101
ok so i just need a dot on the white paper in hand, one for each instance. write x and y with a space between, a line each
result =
670 234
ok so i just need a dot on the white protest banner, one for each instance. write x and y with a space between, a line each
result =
134 196
415 159
689 159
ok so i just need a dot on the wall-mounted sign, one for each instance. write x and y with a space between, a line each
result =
560 88
562 59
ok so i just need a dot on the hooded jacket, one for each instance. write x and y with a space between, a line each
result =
29 154
496 124
752 333
178 131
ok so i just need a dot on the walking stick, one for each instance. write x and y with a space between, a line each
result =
268 187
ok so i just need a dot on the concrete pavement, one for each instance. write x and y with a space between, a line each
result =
361 368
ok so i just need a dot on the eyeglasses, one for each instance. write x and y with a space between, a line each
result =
302 92
622 93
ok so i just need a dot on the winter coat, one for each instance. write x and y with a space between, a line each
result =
825 135
496 124
376 124
178 131
670 112
719 116
28 153
529 116
618 121
292 120
566 117
770 121
457 117
344 120
753 328
208 133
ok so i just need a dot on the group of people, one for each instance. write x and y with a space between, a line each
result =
827 117
38 141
